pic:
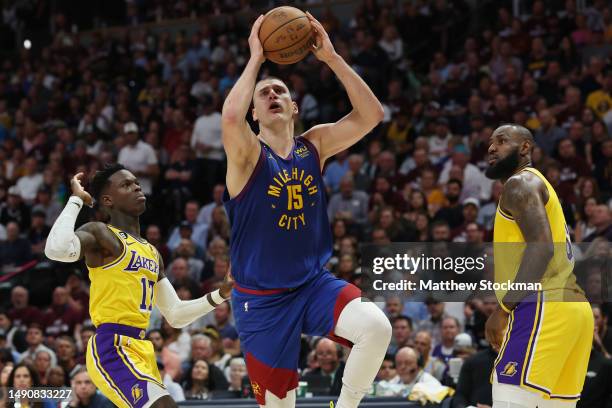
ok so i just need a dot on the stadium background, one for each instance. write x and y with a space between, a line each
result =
73 74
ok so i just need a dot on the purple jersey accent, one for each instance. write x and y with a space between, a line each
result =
281 236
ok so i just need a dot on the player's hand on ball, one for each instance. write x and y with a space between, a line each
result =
79 191
228 284
322 48
257 52
495 328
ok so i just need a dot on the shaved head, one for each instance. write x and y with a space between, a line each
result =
510 148
517 131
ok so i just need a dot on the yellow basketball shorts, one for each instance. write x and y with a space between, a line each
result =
546 347
123 367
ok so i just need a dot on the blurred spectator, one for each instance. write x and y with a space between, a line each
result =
431 364
44 203
602 223
387 369
327 378
409 373
66 356
22 314
602 339
237 372
205 214
401 333
15 251
202 381
445 350
474 387
198 231
31 181
139 158
34 338
335 170
24 377
153 235
38 233
85 393
174 389
14 209
348 204
549 134
42 365
169 359
61 318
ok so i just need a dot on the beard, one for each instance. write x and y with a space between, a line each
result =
504 168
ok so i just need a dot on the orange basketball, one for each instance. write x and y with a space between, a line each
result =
286 35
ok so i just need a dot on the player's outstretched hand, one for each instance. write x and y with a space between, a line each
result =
322 48
257 52
228 284
495 328
79 191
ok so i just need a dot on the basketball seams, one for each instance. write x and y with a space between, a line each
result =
292 45
263 43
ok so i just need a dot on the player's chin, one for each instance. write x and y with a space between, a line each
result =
140 207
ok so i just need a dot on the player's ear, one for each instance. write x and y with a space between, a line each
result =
254 114
295 107
106 200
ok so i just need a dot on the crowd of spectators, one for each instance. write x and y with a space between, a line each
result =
152 102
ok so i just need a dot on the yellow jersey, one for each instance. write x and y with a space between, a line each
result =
122 291
509 244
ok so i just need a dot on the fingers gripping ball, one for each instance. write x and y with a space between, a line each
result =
286 35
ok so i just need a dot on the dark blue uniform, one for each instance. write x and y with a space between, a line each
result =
281 240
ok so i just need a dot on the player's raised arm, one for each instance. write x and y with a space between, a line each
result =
239 140
180 313
367 112
64 244
524 197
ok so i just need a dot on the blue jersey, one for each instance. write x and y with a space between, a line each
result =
281 235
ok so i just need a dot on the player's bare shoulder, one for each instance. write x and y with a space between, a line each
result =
523 190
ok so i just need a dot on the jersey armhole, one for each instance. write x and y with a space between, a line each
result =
314 150
116 260
249 183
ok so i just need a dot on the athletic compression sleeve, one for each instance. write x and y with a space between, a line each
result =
62 243
179 313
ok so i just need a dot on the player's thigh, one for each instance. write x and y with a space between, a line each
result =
326 300
123 369
270 328
571 382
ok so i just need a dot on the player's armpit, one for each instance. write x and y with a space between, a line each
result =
97 241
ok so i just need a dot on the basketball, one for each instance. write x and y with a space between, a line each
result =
286 35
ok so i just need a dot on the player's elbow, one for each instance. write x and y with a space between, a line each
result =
174 319
378 112
54 253
230 117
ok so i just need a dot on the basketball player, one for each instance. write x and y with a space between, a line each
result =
127 279
281 236
543 337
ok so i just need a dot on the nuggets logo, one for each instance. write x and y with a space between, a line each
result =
256 388
302 191
137 393
510 369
